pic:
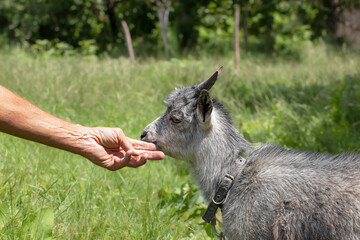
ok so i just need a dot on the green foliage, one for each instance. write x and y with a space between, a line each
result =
291 32
314 110
41 226
184 200
279 27
68 21
56 48
216 27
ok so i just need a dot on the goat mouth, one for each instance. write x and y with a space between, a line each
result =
156 144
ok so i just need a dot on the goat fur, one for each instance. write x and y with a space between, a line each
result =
278 193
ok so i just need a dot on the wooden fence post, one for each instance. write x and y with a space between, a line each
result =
128 41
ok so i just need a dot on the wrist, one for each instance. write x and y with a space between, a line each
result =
63 135
73 138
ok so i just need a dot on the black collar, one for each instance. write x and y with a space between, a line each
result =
219 198
222 192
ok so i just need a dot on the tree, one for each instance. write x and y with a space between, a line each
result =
110 11
163 9
236 33
128 41
245 25
185 21
279 26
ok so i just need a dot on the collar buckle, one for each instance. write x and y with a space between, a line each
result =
218 200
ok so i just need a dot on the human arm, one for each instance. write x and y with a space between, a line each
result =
106 147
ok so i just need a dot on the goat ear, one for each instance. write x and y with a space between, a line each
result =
207 84
204 107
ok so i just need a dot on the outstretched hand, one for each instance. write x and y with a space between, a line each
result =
111 149
106 147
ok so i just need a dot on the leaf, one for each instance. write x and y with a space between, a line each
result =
208 229
43 224
4 214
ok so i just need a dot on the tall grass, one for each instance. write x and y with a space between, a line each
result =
312 104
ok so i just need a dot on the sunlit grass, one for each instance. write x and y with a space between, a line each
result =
311 104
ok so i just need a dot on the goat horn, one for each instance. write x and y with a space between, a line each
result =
208 83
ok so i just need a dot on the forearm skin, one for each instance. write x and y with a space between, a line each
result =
20 118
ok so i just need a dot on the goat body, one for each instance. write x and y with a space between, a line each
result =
277 193
282 194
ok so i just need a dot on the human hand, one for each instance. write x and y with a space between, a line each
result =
111 149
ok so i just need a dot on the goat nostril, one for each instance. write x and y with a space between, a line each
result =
143 134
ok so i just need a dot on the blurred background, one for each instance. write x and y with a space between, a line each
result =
291 77
176 28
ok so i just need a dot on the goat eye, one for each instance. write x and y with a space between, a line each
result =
175 120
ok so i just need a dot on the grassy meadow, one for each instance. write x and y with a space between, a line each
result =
312 103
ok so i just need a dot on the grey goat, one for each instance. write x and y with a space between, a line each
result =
277 193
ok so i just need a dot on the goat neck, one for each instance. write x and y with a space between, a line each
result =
218 153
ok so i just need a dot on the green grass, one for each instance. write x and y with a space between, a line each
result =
312 104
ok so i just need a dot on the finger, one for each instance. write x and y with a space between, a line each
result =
117 164
134 162
141 145
151 155
155 155
127 159
114 167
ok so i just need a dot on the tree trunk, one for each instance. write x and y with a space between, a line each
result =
142 45
110 11
237 42
332 15
246 13
163 9
128 41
